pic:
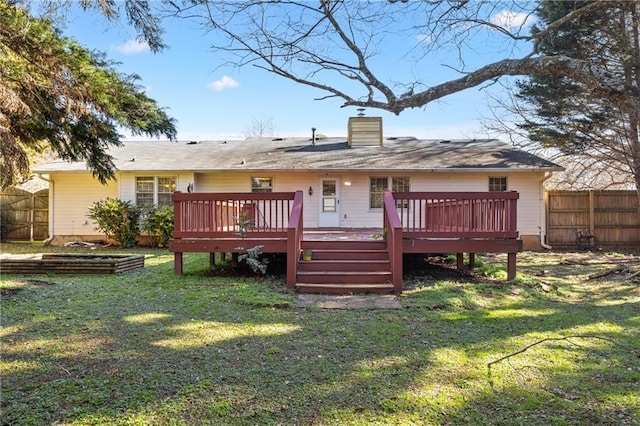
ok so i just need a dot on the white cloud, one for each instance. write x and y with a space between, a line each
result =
132 47
225 82
510 20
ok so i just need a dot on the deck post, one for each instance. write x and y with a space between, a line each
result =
460 261
511 266
177 263
212 258
472 261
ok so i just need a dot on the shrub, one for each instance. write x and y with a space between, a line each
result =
253 258
117 219
158 222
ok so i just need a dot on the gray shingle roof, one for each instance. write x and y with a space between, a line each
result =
402 154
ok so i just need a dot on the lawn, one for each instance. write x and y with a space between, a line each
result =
151 348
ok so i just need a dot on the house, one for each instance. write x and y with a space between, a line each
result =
342 180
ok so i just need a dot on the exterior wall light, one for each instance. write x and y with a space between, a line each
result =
310 191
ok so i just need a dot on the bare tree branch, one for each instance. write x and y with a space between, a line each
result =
567 339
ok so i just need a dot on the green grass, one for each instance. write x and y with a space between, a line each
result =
151 348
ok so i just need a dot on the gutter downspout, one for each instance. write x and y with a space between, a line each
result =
542 214
51 209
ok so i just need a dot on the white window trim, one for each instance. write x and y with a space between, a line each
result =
251 188
506 181
156 191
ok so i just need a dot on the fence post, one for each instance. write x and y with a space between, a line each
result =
592 212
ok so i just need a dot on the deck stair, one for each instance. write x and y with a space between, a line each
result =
345 267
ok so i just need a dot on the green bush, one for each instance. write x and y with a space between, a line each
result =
117 219
158 222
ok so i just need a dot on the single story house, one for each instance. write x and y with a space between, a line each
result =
343 179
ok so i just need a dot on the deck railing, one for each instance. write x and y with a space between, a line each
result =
294 238
393 235
457 214
228 215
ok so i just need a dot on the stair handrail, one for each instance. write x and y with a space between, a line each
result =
294 238
393 236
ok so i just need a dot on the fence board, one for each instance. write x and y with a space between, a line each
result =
27 213
612 216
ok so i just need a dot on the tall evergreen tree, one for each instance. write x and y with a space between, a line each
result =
567 114
56 95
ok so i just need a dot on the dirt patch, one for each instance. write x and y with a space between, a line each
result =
276 268
22 285
368 301
420 271
581 265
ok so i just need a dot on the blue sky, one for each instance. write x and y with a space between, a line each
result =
211 101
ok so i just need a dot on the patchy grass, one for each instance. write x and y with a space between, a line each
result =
150 348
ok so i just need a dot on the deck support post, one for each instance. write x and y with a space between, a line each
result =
212 258
460 261
511 266
234 259
472 261
177 263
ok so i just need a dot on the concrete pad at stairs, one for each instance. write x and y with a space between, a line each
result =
368 301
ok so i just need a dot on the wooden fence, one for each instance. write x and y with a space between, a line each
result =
27 214
612 217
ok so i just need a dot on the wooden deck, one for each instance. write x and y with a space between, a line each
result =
413 222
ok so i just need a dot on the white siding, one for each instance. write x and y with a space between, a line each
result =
73 194
282 182
354 199
227 182
70 198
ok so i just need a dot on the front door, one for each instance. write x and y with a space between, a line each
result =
329 203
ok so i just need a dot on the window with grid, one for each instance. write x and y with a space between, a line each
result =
152 190
145 191
497 184
166 188
400 184
377 186
261 184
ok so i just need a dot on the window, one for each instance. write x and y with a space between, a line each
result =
329 196
153 190
166 188
400 184
261 184
376 189
497 184
379 184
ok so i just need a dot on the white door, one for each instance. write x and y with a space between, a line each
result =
329 203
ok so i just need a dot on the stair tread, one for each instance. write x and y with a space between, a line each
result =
325 250
346 261
344 272
338 285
